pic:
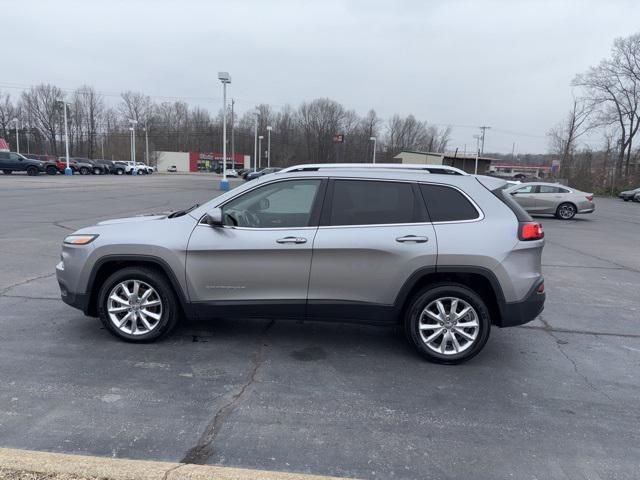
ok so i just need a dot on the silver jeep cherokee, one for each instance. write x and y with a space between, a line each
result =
445 255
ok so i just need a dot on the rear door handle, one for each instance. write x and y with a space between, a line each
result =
412 239
292 240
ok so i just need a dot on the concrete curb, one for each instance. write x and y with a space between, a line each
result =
120 469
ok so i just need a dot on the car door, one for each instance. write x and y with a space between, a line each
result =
526 197
258 263
5 161
373 235
16 162
548 198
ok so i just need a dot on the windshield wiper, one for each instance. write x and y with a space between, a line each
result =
180 213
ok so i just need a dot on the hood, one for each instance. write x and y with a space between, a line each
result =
137 219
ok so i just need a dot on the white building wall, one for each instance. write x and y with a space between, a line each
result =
168 159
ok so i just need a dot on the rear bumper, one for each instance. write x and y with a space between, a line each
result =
524 311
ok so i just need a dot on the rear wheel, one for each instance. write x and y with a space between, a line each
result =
448 323
7 172
137 304
51 170
84 171
97 171
32 171
119 171
566 211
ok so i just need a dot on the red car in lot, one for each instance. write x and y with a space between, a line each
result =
54 165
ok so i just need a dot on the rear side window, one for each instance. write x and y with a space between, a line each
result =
446 204
548 189
364 202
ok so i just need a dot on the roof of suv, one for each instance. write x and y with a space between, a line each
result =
424 168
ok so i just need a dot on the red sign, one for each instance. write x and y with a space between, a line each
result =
338 138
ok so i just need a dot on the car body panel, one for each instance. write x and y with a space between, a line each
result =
541 202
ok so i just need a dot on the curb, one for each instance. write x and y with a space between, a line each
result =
121 469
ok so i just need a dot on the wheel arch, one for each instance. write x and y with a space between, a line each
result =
480 280
107 265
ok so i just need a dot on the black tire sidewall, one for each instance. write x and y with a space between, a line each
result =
575 210
159 282
426 296
32 171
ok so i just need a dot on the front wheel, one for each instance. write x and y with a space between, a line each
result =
97 171
566 211
448 323
32 171
84 171
119 171
51 170
137 304
7 172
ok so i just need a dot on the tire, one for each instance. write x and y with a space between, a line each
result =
167 310
97 171
7 172
119 171
626 199
84 171
470 340
32 171
566 211
51 170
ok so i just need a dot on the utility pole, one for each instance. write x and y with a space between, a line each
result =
17 137
513 152
146 141
484 129
255 144
233 141
102 145
269 128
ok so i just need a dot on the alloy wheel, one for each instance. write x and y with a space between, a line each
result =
449 325
566 211
134 307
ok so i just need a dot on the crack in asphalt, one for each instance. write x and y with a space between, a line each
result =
171 470
559 344
203 450
24 282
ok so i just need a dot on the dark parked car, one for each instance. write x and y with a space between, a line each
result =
50 162
265 171
14 162
629 194
87 165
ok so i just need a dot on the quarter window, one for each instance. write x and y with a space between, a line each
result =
446 204
367 202
550 189
285 204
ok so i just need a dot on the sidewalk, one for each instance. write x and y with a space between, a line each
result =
29 465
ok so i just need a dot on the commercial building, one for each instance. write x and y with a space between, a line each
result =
521 171
199 161
457 160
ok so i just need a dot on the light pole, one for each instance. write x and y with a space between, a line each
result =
132 129
17 138
225 78
269 128
260 151
373 139
102 145
146 141
256 112
67 170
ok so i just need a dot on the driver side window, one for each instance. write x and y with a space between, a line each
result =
286 204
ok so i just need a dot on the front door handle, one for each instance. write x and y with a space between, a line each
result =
292 240
412 239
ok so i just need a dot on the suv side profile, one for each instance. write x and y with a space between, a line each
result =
445 256
14 162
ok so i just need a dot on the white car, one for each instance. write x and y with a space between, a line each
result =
172 169
232 173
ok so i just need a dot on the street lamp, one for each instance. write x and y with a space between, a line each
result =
146 141
132 129
225 78
17 138
269 128
67 170
373 139
260 151
256 112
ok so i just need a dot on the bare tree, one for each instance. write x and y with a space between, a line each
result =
7 113
563 137
44 106
614 90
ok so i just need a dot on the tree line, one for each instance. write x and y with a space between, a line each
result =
606 103
299 135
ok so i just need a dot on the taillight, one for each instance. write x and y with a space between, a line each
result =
590 197
530 231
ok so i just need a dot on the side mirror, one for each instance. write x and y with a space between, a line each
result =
214 217
514 193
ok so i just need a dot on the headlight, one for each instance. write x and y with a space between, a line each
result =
79 239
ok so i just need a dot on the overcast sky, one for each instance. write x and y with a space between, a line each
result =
507 64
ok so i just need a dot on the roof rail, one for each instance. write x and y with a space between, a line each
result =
313 167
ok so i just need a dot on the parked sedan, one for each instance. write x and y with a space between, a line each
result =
629 194
553 199
636 197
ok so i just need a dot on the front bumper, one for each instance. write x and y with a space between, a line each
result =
524 311
76 300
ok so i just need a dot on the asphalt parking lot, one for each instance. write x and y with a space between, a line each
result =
556 399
